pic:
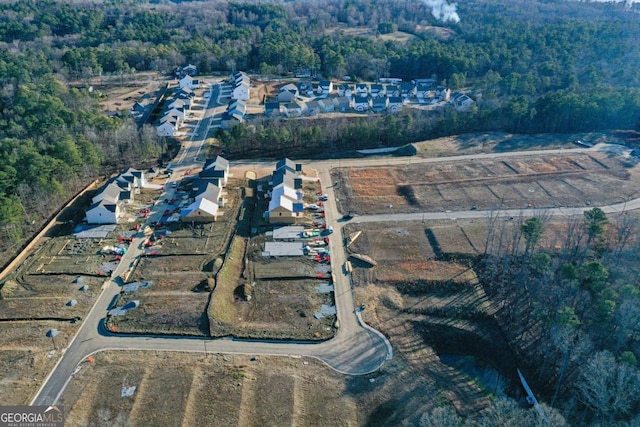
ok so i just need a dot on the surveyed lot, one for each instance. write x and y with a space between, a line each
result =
190 389
593 178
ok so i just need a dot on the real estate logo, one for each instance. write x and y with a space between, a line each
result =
31 416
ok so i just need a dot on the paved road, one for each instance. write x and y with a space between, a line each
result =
356 349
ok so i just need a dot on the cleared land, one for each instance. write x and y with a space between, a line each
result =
189 389
516 182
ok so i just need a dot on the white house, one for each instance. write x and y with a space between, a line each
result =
379 104
342 103
325 87
284 206
202 210
241 86
135 176
168 128
216 167
393 90
175 112
362 89
442 93
461 102
183 103
189 82
103 212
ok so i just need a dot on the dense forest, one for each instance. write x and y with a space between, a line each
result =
532 66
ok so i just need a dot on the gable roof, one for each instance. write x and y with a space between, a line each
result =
203 205
216 162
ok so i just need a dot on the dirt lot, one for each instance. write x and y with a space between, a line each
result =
189 389
516 182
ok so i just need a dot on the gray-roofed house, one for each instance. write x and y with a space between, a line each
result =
362 89
425 91
342 103
376 90
293 109
344 89
272 109
461 102
287 164
379 104
393 90
395 104
327 105
313 108
361 103
407 90
287 93
305 88
325 87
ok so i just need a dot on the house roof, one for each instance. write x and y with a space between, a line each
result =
289 88
285 191
395 100
283 176
111 207
272 106
376 87
324 83
342 101
313 105
361 100
203 205
216 162
286 162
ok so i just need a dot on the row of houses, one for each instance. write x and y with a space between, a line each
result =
424 90
177 107
340 104
234 114
107 206
241 86
207 191
286 193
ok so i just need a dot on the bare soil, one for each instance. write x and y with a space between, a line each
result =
191 389
517 182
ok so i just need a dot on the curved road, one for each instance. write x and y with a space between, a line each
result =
356 348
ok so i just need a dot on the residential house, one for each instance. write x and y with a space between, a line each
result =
185 92
461 102
362 89
344 89
216 167
327 105
272 109
313 108
189 82
305 88
293 109
202 210
103 212
395 104
168 128
135 176
175 112
325 87
393 90
376 90
287 93
442 93
287 164
379 104
182 103
361 103
342 103
285 206
241 86
190 70
110 192
407 90
209 191
235 113
425 92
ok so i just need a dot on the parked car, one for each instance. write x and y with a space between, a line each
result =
347 216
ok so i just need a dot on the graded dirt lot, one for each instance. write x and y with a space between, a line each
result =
191 389
578 179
